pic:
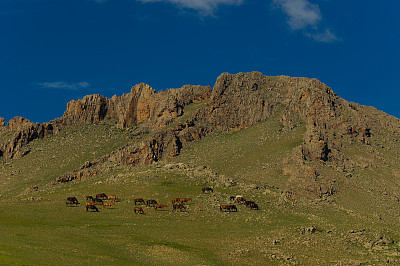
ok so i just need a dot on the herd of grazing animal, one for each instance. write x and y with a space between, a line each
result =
177 203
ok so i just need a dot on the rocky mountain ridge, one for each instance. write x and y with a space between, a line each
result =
235 103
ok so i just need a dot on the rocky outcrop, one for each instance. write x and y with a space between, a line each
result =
2 123
164 145
22 131
244 99
241 100
142 104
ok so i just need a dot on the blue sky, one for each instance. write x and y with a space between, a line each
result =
54 51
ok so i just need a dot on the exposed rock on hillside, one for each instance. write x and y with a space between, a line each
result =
22 131
142 104
163 145
2 122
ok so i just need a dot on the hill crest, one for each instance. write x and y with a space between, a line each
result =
160 125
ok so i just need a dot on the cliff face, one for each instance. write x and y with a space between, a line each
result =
241 100
22 131
140 105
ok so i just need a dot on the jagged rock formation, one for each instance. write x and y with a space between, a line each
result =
22 131
142 104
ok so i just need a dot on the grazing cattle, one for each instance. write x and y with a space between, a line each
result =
90 198
253 206
159 206
232 198
178 206
228 208
99 201
91 208
101 196
207 189
138 210
151 203
73 199
113 198
139 200
90 204
240 199
108 204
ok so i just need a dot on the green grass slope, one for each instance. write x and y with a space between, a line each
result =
58 154
37 228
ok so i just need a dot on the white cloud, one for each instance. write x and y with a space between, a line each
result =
63 85
306 16
204 7
326 36
301 13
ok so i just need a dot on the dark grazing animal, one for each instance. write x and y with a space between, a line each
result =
253 206
73 199
90 198
91 208
99 201
248 202
207 189
139 200
138 210
228 208
101 196
178 206
151 202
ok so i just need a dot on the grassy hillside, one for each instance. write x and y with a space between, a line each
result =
58 154
38 229
255 155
